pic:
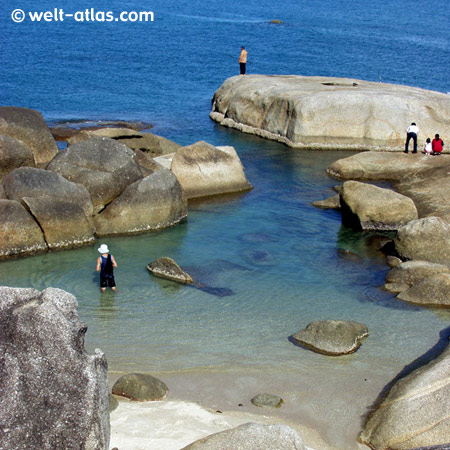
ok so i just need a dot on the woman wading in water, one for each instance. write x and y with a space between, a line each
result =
105 265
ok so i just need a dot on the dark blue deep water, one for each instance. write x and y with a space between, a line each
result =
277 255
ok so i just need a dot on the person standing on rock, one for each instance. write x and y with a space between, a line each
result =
411 133
437 145
105 265
243 60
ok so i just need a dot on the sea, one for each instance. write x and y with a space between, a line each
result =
267 262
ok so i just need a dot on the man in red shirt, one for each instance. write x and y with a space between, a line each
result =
437 145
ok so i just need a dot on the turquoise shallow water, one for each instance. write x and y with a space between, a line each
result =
269 263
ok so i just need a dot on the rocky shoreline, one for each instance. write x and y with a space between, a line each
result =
108 181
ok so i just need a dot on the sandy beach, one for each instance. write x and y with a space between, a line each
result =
327 413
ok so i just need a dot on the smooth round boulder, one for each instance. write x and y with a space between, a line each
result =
332 337
36 183
426 239
105 167
64 223
203 170
431 290
167 268
414 414
19 232
251 436
28 126
267 401
410 272
155 202
13 154
369 207
140 387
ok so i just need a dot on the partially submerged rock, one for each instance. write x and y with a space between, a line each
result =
410 272
332 337
152 203
370 207
140 387
329 203
203 170
414 414
19 232
325 112
431 290
426 239
54 394
251 436
167 268
267 401
28 126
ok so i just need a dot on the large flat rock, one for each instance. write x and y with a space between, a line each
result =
329 113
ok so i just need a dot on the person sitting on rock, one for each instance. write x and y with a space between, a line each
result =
411 133
427 148
105 265
437 145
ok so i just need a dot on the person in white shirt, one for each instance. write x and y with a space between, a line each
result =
411 133
427 148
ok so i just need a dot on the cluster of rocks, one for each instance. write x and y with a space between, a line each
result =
106 182
413 414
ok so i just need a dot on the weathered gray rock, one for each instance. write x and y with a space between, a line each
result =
149 143
28 126
370 207
140 387
431 290
322 112
19 232
415 412
64 223
105 167
329 203
155 202
54 394
167 268
426 239
37 183
332 337
385 166
203 170
410 272
251 436
13 154
267 401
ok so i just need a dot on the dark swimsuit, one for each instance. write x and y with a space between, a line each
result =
107 273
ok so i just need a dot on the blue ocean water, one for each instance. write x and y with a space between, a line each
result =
276 255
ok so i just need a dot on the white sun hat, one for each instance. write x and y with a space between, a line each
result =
103 248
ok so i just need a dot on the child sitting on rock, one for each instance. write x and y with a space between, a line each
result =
427 147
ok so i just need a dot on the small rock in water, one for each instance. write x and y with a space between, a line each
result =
167 268
267 401
140 387
332 337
